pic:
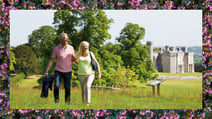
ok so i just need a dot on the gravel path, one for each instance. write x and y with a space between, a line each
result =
180 77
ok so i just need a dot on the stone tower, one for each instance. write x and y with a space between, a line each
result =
150 45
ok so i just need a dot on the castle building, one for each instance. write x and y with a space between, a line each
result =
171 59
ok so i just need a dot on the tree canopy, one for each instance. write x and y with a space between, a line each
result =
43 40
26 60
130 36
84 25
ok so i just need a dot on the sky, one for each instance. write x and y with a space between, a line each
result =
162 27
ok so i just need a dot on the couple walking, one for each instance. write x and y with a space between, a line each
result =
64 55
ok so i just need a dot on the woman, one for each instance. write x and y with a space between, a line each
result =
85 71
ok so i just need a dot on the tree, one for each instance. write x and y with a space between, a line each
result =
85 25
134 54
68 22
43 40
95 25
130 36
26 60
109 60
113 48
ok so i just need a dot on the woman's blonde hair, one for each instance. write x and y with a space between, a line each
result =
81 46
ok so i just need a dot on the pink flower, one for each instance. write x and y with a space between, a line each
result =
187 3
210 91
142 113
75 3
39 117
1 100
2 67
62 2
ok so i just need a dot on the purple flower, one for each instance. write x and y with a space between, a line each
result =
62 2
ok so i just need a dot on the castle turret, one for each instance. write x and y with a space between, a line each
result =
184 49
178 49
172 48
149 43
166 48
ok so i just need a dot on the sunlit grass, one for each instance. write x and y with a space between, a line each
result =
175 94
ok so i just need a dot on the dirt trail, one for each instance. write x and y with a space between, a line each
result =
34 76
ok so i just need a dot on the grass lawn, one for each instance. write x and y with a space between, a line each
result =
199 74
175 94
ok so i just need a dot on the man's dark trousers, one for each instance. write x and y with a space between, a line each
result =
67 79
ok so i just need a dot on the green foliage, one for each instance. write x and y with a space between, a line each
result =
84 25
130 35
95 25
43 40
75 80
197 50
109 60
75 83
17 78
155 49
100 82
26 60
123 77
134 54
198 59
12 60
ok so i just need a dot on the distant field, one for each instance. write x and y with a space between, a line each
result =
199 74
175 94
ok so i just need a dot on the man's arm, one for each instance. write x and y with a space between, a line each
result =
74 59
51 61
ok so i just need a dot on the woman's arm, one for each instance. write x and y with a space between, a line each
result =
98 68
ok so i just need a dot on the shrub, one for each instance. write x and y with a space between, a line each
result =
17 78
100 82
75 83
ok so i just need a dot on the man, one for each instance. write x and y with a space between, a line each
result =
64 55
